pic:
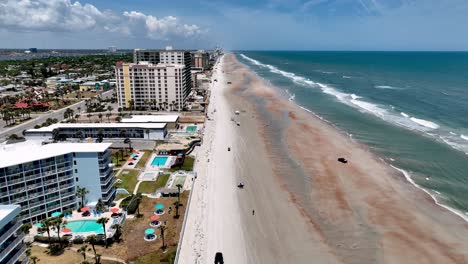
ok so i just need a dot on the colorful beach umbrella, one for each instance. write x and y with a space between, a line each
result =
56 214
149 231
154 218
38 224
159 206
84 209
66 230
130 160
180 154
114 210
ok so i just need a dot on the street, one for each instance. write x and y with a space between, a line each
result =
39 119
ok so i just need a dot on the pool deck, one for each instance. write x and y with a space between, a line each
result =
76 217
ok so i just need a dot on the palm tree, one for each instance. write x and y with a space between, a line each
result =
179 186
162 228
110 108
108 115
100 116
100 206
176 204
129 142
103 221
81 193
57 224
33 259
46 225
93 240
82 250
89 115
118 231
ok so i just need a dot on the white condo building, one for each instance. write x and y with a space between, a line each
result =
161 86
43 179
157 79
12 248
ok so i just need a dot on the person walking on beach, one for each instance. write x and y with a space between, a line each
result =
253 212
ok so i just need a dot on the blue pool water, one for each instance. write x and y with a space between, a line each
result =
83 226
159 161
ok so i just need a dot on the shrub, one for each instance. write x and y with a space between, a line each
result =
45 239
133 205
78 240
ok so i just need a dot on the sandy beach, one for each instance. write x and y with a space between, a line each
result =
309 208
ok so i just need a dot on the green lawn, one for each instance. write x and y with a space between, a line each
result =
151 187
141 163
128 180
120 196
187 166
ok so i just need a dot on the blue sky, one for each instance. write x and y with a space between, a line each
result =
240 24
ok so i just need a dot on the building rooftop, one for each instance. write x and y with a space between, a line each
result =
145 64
151 119
31 150
8 212
98 125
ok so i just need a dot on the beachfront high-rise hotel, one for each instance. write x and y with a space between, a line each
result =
43 179
156 78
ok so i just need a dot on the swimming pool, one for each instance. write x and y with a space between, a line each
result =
191 128
159 161
83 226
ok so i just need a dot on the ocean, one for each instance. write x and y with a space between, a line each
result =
409 108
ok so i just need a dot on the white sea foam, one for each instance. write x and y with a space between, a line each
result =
464 137
291 95
425 123
388 87
346 77
451 133
409 179
387 113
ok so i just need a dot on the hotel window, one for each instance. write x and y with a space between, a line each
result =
76 170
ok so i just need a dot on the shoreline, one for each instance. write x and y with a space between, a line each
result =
361 206
404 174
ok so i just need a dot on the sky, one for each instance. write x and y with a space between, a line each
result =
236 24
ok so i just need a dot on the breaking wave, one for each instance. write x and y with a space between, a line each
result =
387 113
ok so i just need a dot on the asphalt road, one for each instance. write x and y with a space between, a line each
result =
39 119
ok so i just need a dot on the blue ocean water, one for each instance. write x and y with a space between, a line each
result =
410 108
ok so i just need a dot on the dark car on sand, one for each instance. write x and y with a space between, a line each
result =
219 258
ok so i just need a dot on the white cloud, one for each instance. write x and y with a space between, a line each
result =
162 28
50 15
67 16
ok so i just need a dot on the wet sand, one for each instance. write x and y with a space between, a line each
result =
309 208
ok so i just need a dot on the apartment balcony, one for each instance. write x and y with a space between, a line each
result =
18 200
65 186
68 202
32 177
3 184
106 172
10 182
105 198
62 169
105 181
34 195
11 231
66 177
51 181
13 245
33 186
37 203
109 187
18 255
53 207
